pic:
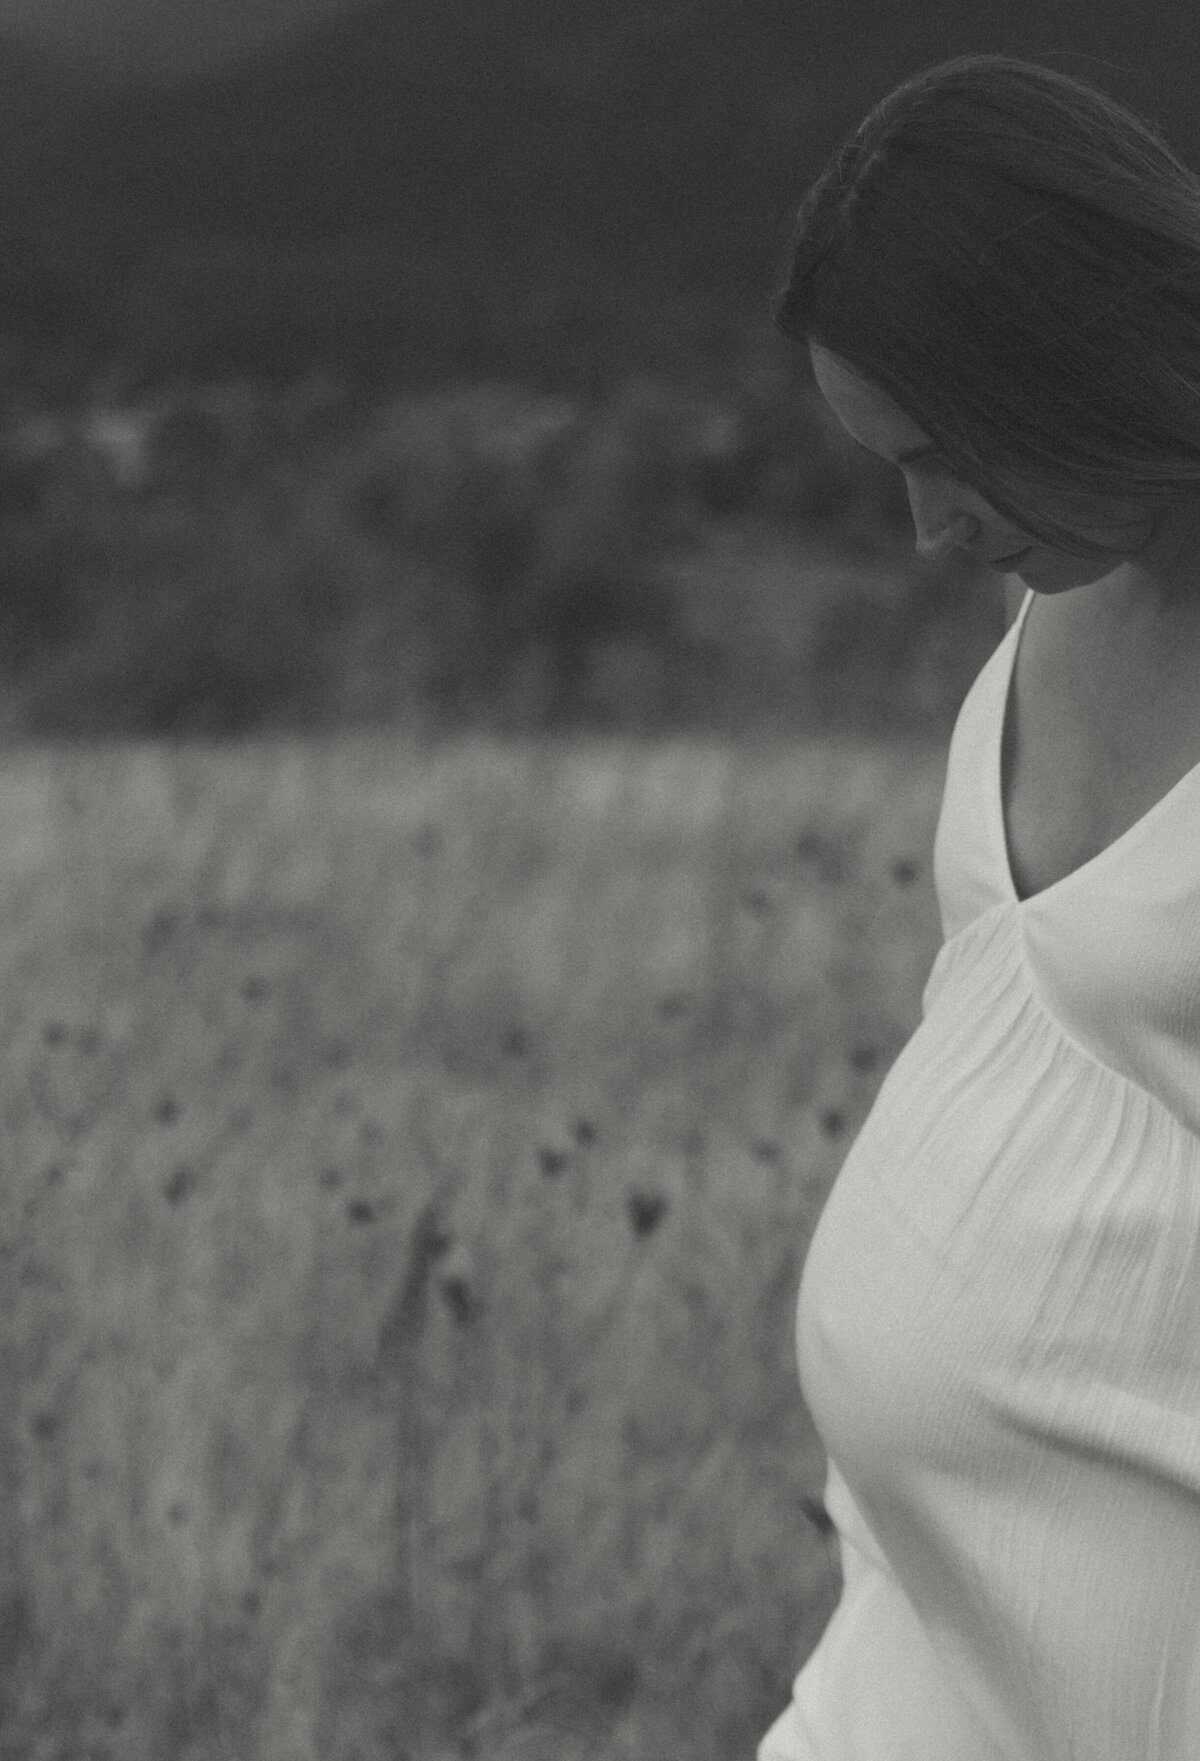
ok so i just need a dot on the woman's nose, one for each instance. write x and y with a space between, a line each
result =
941 526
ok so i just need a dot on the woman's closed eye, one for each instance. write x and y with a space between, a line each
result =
931 463
924 457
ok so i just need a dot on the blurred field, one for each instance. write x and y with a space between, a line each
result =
464 876
411 1152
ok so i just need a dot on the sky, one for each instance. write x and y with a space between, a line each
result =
129 38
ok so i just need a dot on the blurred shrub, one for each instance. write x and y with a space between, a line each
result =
227 557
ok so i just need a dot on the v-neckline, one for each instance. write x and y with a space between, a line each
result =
1139 825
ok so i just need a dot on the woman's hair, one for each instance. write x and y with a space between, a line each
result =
1015 259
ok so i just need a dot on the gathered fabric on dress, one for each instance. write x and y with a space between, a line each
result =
998 1326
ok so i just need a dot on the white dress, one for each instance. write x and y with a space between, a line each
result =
999 1317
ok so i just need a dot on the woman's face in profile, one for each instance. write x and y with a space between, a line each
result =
948 514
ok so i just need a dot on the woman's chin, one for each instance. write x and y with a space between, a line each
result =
1048 571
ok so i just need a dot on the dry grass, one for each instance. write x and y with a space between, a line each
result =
409 1156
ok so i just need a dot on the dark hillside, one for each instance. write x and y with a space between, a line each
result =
486 151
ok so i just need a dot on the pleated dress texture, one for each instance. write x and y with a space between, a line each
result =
998 1325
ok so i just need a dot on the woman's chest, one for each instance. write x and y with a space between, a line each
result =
1096 732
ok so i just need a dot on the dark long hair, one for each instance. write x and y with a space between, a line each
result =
1014 257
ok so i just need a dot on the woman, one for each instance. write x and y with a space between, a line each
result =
998 281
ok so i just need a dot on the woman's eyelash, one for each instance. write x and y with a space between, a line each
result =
933 459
